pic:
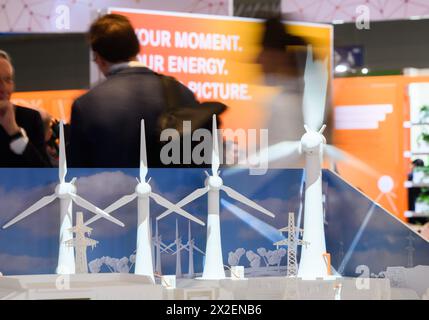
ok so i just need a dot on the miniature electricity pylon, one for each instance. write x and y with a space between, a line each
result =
292 243
410 249
80 242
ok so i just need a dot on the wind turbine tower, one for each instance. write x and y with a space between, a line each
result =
191 248
178 253
157 243
190 244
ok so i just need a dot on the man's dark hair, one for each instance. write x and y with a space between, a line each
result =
112 36
418 163
277 36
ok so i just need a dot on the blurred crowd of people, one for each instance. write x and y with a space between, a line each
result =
105 122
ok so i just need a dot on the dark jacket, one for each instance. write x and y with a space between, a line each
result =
105 122
35 153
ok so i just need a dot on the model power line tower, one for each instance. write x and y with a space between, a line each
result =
410 250
80 243
292 242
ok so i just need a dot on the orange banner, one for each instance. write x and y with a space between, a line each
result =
57 103
215 56
369 116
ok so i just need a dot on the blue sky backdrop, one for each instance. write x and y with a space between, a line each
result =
31 246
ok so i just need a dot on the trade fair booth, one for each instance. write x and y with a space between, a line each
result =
333 225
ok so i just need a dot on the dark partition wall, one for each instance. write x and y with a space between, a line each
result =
388 45
48 61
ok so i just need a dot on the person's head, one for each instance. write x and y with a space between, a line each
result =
281 50
418 163
7 84
112 40
47 120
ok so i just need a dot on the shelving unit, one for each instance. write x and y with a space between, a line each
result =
418 96
411 154
410 184
409 124
412 214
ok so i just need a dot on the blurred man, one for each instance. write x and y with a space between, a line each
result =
282 60
105 123
22 141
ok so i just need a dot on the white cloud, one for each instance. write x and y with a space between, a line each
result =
15 201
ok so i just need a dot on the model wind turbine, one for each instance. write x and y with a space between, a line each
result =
66 192
143 193
178 253
81 242
190 247
159 248
213 264
312 147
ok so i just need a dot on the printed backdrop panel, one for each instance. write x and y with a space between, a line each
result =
358 231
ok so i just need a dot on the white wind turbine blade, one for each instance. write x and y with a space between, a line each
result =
186 247
180 250
143 157
287 151
315 89
90 207
337 154
239 197
62 166
38 205
215 151
191 197
171 206
166 248
119 203
169 247
199 250
162 244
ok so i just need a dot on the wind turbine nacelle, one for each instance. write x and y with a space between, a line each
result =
143 189
215 182
311 142
63 190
